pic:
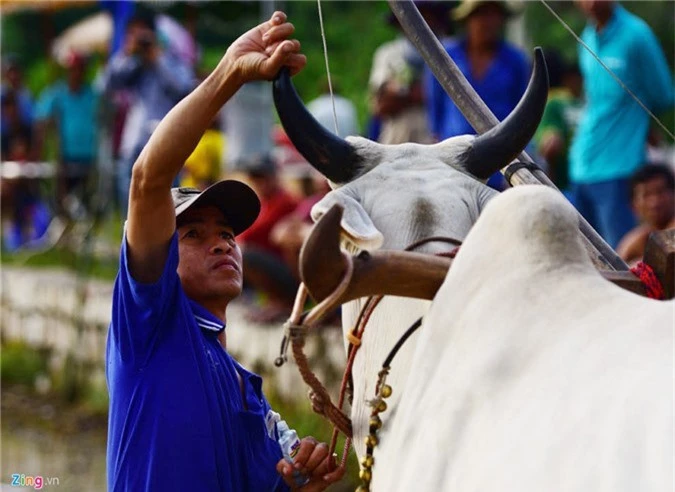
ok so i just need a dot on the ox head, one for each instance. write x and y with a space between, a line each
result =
409 191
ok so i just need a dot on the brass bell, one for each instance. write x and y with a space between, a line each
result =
375 423
361 488
365 475
371 441
382 406
367 461
386 391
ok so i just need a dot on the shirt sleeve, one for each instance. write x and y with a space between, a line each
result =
139 309
655 74
524 68
121 72
44 109
435 103
174 76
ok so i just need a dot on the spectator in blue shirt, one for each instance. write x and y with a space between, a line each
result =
498 71
72 106
610 142
157 80
12 81
184 415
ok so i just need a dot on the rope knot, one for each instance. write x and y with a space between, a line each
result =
318 402
646 274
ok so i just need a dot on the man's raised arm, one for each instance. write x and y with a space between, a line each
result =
258 54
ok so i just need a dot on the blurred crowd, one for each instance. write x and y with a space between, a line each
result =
595 141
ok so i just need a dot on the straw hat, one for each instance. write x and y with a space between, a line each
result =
468 7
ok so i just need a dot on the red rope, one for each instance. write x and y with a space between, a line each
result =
653 287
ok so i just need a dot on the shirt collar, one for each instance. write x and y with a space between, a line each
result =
205 320
617 14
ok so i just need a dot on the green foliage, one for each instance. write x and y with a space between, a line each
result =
353 32
21 364
97 267
96 400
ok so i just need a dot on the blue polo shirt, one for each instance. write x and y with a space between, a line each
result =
501 88
610 142
177 417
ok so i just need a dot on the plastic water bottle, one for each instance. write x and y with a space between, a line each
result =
290 445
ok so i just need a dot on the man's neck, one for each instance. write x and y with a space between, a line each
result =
476 48
602 19
74 87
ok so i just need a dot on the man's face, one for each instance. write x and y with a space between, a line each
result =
654 203
210 266
486 23
76 75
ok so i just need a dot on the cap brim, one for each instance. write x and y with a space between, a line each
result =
236 200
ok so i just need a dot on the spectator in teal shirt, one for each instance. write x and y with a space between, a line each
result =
71 105
610 143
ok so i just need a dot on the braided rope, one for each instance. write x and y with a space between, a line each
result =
321 401
653 287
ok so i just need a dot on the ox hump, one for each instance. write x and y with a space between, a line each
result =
530 224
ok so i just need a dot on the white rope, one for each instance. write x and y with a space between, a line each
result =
619 81
325 56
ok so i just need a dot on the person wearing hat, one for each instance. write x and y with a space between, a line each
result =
395 83
184 415
497 70
12 82
265 269
71 105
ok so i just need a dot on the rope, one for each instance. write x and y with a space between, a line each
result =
295 332
321 402
325 56
614 76
653 287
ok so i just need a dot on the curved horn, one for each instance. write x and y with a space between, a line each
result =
332 156
495 148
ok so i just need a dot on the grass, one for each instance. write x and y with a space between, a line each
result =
21 364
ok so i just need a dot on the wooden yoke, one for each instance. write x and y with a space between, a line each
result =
417 275
660 255
394 273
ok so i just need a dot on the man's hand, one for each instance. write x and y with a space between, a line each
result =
312 461
262 51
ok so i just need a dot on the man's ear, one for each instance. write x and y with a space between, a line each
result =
356 225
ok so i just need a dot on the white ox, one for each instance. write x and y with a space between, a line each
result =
532 372
396 195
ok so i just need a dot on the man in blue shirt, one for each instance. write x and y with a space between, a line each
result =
610 142
498 71
184 415
72 105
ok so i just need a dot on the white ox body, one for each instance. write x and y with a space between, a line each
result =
531 372
410 192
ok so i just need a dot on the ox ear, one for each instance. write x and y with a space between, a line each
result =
356 225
